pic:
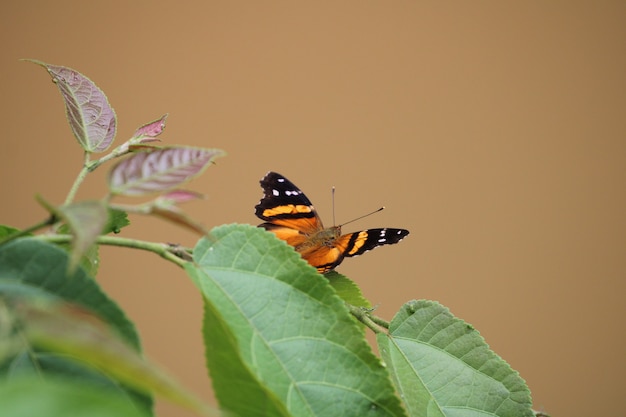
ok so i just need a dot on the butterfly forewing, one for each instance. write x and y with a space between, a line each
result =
284 204
291 216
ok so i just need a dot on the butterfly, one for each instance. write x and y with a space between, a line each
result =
289 214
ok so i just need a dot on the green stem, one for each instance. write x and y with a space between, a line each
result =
49 221
79 179
379 321
162 249
364 316
117 152
89 166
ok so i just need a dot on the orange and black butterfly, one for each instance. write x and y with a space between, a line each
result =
291 216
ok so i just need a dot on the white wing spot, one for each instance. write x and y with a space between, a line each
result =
382 240
275 192
280 180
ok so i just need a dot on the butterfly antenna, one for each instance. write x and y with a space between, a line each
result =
333 203
365 215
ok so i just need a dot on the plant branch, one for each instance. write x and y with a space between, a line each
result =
379 321
49 221
364 316
89 166
79 180
164 250
123 149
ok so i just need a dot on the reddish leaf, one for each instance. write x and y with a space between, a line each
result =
89 114
176 216
159 170
141 147
151 130
176 197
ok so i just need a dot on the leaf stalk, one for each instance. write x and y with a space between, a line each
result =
364 315
166 251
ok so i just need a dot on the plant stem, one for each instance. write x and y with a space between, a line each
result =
50 220
364 316
379 321
162 249
89 166
117 152
79 179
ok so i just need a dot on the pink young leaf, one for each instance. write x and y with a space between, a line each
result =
89 114
159 170
148 139
151 130
176 216
141 147
176 197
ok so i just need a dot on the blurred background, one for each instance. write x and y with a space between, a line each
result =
494 131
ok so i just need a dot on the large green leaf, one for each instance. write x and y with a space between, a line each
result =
232 379
50 329
287 329
41 265
72 338
60 397
443 367
37 269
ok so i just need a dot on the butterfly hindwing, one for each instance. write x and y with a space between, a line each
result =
354 244
326 258
289 214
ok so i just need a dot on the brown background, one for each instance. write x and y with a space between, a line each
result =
494 131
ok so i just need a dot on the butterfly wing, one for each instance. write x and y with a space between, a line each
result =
290 215
284 207
324 258
354 244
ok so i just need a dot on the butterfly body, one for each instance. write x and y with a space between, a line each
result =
289 214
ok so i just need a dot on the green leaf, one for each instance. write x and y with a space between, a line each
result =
35 268
347 289
90 259
442 367
7 230
41 265
61 397
69 332
85 220
288 327
233 382
117 220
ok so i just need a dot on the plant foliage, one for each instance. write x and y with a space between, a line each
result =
280 339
